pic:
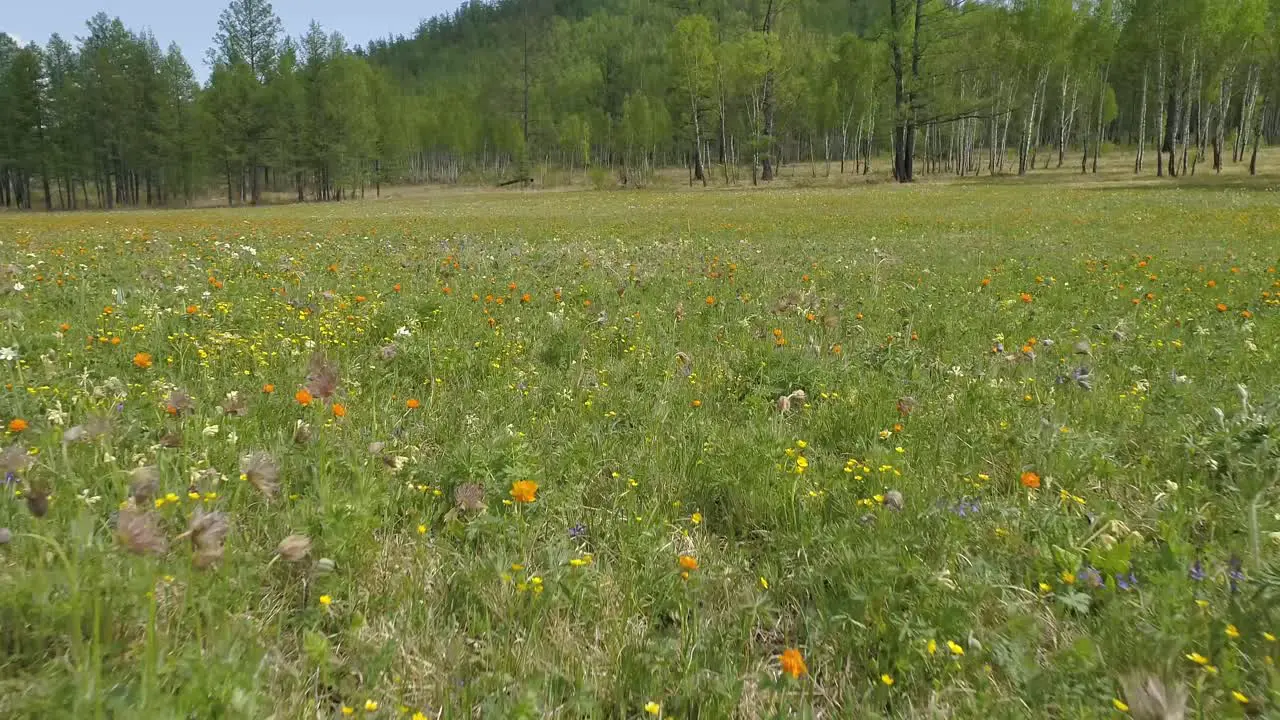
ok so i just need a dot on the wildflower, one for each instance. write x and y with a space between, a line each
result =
887 679
322 377
577 532
1118 704
955 648
346 709
139 532
1025 297
142 360
1235 573
1046 588
1268 637
1197 658
653 708
9 354
412 403
1222 307
422 529
524 491
294 548
1197 571
339 410
696 403
1090 576
764 584
303 397
1126 582
931 647
260 470
1233 632
1030 480
688 562
1240 697
208 532
696 518
268 388
326 601
370 705
711 300
17 425
792 663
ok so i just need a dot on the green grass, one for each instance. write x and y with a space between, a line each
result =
484 614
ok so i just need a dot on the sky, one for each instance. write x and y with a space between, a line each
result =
192 23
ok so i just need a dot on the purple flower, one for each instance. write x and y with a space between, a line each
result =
1197 571
10 479
1089 576
1235 573
1127 582
577 532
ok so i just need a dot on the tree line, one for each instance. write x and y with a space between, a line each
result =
730 89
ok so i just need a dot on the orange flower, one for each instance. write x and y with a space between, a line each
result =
1031 480
524 491
526 298
1212 284
142 360
412 403
17 425
586 303
836 349
696 403
193 309
303 397
986 282
688 562
793 663
1222 307
711 299
1246 314
339 410
858 316
115 340
64 327
1025 297
396 287
361 298
268 389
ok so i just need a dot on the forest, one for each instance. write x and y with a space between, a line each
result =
616 89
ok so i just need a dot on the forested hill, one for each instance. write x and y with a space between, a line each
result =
728 88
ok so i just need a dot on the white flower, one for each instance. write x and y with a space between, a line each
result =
403 332
9 353
210 430
56 416
180 289
19 287
232 437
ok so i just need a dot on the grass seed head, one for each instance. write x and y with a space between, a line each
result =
294 548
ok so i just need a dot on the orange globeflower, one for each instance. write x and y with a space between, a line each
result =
303 397
64 327
1222 307
268 389
526 298
1246 314
142 360
17 425
793 663
711 299
986 282
339 410
524 491
412 403
396 287
1025 297
688 562
1031 480
193 309
696 403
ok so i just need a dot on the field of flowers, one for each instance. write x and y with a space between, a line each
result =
937 451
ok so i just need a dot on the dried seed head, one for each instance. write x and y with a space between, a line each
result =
1082 347
234 405
262 471
322 376
301 433
144 482
74 434
14 459
38 502
893 500
1149 699
679 311
6 536
388 352
294 548
785 402
208 533
905 405
179 402
139 533
171 440
469 496
686 364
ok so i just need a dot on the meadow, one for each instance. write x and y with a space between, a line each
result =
948 450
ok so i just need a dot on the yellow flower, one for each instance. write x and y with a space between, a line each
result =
1046 587
1118 704
422 529
1269 637
1211 669
325 600
1233 632
932 646
697 518
955 649
370 705
418 716
802 444
1197 658
1240 697
1068 577
524 491
652 708
764 583
348 710
1203 604
887 679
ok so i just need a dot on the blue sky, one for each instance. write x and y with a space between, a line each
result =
191 23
